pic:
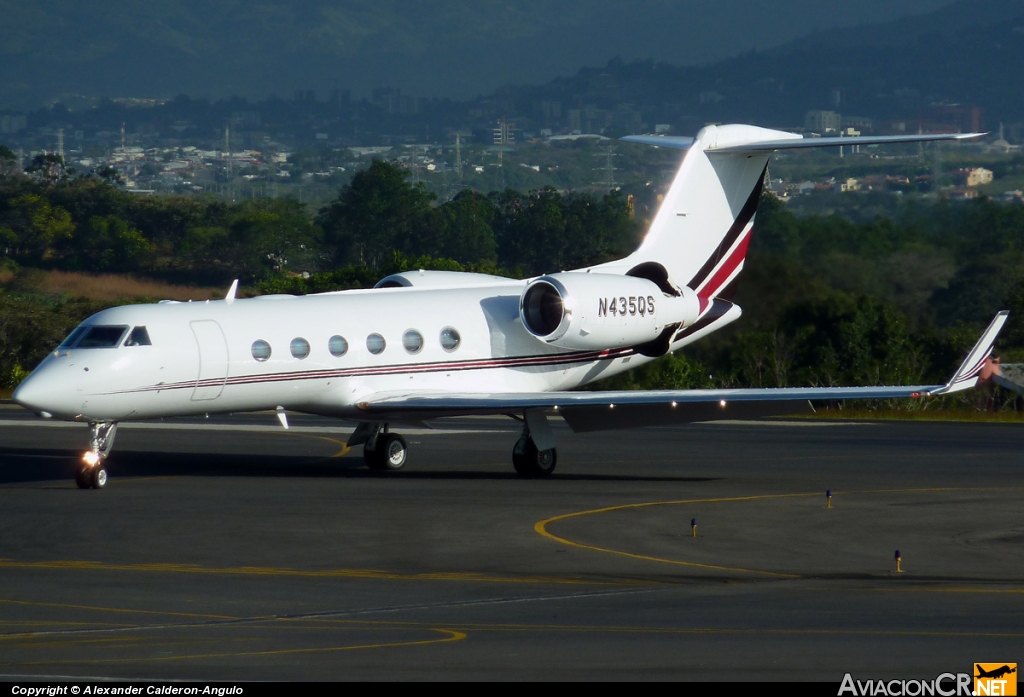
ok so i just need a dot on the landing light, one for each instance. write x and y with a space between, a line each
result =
721 403
91 458
673 405
611 406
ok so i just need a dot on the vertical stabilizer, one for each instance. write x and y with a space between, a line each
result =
702 230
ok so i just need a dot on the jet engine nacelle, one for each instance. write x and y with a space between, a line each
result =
601 311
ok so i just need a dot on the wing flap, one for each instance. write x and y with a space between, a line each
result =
601 418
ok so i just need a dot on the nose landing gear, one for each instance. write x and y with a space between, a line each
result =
92 473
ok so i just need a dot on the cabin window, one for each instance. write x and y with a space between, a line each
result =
450 339
299 348
375 344
337 346
138 337
412 340
102 337
74 336
260 350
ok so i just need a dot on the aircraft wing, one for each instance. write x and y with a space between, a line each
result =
590 411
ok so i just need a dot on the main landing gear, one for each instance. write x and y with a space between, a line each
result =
534 454
530 461
382 450
92 473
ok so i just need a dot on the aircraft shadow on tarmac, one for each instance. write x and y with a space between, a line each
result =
18 465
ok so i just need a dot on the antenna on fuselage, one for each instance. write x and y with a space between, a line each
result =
230 297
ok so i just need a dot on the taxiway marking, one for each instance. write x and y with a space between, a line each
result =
375 574
541 527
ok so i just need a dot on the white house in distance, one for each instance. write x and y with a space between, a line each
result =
979 176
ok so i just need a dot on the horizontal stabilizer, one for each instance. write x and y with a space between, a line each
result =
799 143
677 142
796 143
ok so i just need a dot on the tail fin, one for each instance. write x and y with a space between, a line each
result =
700 235
701 232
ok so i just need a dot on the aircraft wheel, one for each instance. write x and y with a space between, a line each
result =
372 456
543 461
519 458
530 462
98 476
392 452
83 478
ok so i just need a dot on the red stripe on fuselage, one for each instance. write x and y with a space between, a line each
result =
398 369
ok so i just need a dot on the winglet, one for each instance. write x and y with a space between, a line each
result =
966 376
230 297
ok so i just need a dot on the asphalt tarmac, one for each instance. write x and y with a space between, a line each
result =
228 548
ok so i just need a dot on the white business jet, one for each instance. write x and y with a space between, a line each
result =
427 344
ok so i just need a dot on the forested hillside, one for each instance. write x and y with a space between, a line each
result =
443 48
826 300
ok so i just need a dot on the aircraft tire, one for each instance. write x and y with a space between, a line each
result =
83 478
530 462
372 457
392 452
98 476
519 458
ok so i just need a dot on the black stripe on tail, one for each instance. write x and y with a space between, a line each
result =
745 216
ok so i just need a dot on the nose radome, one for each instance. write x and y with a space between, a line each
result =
27 394
37 393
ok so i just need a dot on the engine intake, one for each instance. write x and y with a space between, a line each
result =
600 311
542 308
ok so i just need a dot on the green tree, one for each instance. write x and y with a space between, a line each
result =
464 230
108 174
109 243
49 169
8 162
38 227
378 212
268 235
544 231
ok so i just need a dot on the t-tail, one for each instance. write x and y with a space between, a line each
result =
701 233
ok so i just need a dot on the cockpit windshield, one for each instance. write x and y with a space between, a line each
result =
100 336
74 336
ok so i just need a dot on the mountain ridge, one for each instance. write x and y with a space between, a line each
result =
159 48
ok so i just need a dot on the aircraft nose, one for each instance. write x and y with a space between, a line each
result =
39 392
